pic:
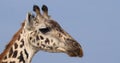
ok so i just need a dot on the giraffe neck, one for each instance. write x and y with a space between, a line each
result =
18 50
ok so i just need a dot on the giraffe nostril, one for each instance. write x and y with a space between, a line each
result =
76 44
71 40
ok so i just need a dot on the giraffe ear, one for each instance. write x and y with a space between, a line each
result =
29 21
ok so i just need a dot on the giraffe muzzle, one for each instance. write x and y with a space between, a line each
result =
74 48
75 53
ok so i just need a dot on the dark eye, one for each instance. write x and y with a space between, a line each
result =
44 30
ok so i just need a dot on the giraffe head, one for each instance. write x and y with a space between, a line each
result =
47 35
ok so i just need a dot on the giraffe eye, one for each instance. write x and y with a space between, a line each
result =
44 30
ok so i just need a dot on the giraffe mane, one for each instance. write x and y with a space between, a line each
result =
15 37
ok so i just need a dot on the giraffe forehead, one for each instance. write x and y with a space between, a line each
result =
54 23
42 25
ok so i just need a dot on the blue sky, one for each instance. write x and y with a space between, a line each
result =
95 24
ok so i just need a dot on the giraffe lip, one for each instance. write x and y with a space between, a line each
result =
75 53
74 49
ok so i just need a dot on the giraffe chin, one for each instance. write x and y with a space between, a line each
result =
75 53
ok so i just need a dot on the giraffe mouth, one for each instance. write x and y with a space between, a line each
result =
75 53
74 49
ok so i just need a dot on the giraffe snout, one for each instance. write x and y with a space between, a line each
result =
74 49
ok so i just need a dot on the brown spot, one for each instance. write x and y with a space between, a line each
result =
36 31
47 41
43 45
12 61
38 44
50 47
4 62
30 38
37 38
41 38
21 32
10 52
54 44
22 41
27 55
51 40
5 57
57 29
64 38
21 58
60 35
15 54
15 45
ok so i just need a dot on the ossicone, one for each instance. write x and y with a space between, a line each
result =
45 12
37 10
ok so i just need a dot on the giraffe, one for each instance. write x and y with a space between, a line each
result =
39 33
